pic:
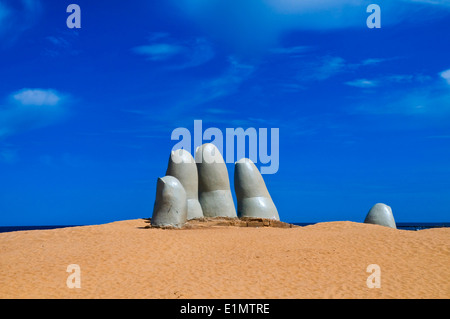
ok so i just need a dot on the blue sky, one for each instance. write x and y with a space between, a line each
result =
86 114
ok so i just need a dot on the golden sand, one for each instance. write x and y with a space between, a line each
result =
125 260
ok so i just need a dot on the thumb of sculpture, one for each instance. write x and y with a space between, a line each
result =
182 166
381 214
170 207
253 198
214 191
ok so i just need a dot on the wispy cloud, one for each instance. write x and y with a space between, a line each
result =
330 66
226 84
324 67
58 41
219 111
362 83
159 51
389 80
309 69
62 43
30 109
423 96
37 97
8 155
446 75
433 2
293 50
179 54
4 13
199 98
17 17
406 78
270 19
373 61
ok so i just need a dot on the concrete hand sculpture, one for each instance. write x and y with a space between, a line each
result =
182 166
170 207
214 191
253 198
381 214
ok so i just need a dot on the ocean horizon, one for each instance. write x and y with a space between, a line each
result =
401 225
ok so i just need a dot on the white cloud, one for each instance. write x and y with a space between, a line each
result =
330 66
180 54
295 50
58 41
407 78
199 97
389 80
37 97
372 61
199 52
299 6
16 17
226 84
321 68
219 111
30 109
62 43
433 2
8 156
410 95
431 100
4 13
312 68
290 6
362 83
446 75
158 52
258 24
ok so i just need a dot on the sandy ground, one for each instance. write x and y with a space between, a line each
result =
125 260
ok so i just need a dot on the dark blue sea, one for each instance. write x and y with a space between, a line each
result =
5 229
405 226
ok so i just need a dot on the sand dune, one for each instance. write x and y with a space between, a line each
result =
125 260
